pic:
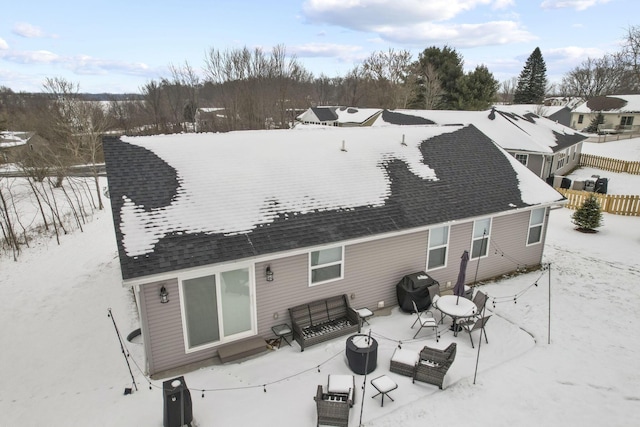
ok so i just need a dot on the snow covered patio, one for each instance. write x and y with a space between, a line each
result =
62 364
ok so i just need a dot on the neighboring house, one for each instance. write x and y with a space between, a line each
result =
326 211
557 113
547 148
621 113
209 119
11 141
339 116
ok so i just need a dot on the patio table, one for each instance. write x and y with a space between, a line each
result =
456 308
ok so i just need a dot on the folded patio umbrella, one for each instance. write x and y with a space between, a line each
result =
458 289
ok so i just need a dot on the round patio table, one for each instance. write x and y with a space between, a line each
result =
456 308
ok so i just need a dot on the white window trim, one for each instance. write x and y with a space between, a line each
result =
446 245
544 220
211 272
487 236
526 156
311 268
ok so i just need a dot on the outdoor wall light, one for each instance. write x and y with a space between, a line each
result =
269 274
164 295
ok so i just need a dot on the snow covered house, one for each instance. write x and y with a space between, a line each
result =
339 116
545 147
621 113
219 234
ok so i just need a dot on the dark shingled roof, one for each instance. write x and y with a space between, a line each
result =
395 118
469 185
324 114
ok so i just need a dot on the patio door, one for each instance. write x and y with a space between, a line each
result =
217 308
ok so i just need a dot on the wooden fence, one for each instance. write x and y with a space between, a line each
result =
611 203
608 164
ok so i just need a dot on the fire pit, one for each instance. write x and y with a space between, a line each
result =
362 353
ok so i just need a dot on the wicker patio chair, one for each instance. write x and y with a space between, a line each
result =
434 364
331 409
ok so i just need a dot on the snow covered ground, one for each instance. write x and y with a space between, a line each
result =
62 364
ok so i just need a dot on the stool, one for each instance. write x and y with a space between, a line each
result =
384 385
281 331
364 314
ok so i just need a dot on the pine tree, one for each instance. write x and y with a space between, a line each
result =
532 82
588 217
595 122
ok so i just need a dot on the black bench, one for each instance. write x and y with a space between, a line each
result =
323 320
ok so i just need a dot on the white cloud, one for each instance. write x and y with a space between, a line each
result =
3 44
572 55
419 21
31 57
329 50
80 64
572 4
26 30
462 35
364 14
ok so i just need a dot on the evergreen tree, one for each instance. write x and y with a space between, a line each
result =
532 81
595 122
478 89
588 217
447 64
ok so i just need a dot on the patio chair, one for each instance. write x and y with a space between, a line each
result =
342 385
473 324
480 300
434 294
426 320
331 409
433 364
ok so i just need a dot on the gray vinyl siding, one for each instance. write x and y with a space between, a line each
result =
535 163
163 329
371 272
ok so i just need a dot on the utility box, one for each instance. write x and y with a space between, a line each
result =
177 403
589 185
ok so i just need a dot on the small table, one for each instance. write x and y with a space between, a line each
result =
362 353
456 308
364 314
384 385
281 331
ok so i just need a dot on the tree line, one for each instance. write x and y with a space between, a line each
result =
257 89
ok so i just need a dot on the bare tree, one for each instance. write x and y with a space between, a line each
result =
631 54
508 89
428 90
596 77
387 72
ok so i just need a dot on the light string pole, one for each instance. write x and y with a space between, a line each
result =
124 353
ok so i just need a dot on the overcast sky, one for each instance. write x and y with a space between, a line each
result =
118 45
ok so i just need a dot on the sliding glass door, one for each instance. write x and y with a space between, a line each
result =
217 308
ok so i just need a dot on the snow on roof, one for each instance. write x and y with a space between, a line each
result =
257 192
527 132
13 139
339 114
354 179
629 104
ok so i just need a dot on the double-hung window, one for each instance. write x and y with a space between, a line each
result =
536 223
480 240
326 265
438 247
522 158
